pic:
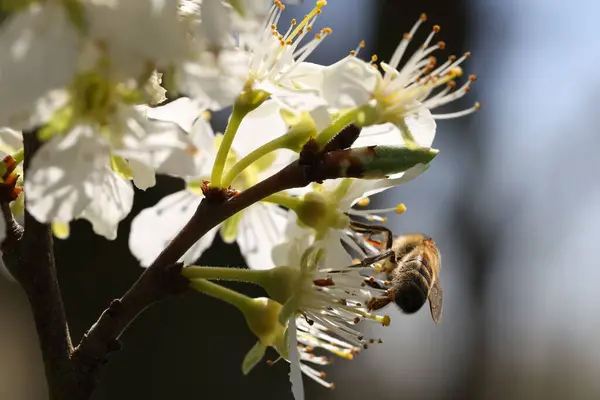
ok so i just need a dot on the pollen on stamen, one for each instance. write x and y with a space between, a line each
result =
436 28
364 202
294 22
206 115
400 208
355 261
386 320
473 78
441 45
374 58
423 17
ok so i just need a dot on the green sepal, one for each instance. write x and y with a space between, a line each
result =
253 357
60 230
377 162
121 167
76 14
229 228
389 160
18 206
58 124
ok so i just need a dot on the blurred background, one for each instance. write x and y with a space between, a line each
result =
513 201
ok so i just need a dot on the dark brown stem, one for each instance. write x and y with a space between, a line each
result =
163 276
29 256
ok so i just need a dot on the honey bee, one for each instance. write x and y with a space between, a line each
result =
412 265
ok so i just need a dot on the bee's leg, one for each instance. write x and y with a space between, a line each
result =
374 229
375 303
377 257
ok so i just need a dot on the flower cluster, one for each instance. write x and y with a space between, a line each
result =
118 91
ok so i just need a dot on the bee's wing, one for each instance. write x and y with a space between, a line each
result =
436 301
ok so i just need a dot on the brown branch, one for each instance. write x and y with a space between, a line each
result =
29 256
164 277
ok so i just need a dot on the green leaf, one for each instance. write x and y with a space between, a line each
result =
256 353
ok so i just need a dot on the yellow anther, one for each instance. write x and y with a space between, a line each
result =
477 105
364 201
386 320
294 22
327 30
374 57
315 11
400 208
423 17
206 115
436 28
193 150
355 261
362 44
352 52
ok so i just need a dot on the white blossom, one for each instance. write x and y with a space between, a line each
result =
402 98
73 174
258 58
39 48
256 229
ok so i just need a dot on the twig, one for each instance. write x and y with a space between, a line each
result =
163 277
29 256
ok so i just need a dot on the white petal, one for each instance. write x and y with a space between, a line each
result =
112 201
143 176
64 173
137 33
293 99
183 111
160 145
259 127
215 80
153 228
295 242
422 126
335 255
377 135
216 25
349 83
10 140
203 138
39 53
322 117
366 187
261 228
307 75
295 371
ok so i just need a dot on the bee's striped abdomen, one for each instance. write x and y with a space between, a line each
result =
412 283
